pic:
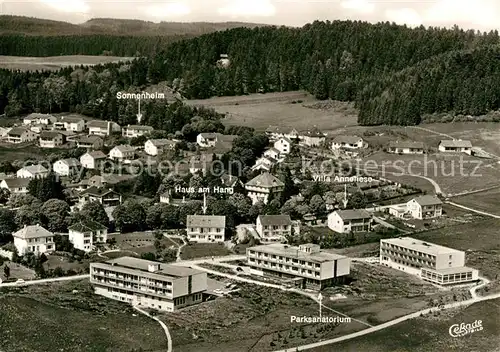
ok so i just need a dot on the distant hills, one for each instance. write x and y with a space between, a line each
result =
20 25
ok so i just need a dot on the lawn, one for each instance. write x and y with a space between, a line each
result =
201 250
17 271
292 109
52 318
257 319
488 201
430 333
54 62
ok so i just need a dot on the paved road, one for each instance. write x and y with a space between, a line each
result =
46 281
162 324
473 210
390 323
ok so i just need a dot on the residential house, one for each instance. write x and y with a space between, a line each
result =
156 147
223 145
34 239
148 284
103 128
122 152
274 228
66 167
272 153
455 146
431 262
166 198
265 163
263 187
51 139
406 147
89 142
132 131
274 133
39 119
230 181
86 234
206 228
283 145
345 221
347 142
305 266
4 131
18 135
206 140
32 171
70 123
312 137
16 185
106 197
93 160
425 207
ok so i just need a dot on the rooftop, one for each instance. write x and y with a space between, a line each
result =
17 131
275 220
35 169
353 214
456 143
347 139
420 246
17 182
34 231
265 180
49 135
161 142
99 124
97 192
406 144
140 128
206 221
71 162
87 226
97 154
172 271
70 119
89 139
124 148
428 200
294 252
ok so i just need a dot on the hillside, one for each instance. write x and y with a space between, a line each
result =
105 26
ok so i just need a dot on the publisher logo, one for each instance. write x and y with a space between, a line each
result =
459 330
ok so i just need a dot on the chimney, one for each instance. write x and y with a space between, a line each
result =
109 128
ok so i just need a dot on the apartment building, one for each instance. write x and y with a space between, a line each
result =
264 186
51 139
34 239
18 135
148 284
344 221
274 228
206 228
305 266
86 234
431 262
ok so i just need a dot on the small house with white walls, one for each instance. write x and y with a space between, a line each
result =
103 128
122 152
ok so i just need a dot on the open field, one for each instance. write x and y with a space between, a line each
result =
17 271
288 109
134 244
82 266
200 250
430 333
51 317
55 62
488 201
257 319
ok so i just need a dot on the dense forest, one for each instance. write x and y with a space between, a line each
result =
394 74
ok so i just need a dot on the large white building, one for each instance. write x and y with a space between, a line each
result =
264 186
273 228
86 234
70 123
32 171
345 221
431 262
19 135
306 266
34 239
103 128
206 228
148 284
67 167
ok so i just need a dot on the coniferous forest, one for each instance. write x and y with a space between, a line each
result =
394 74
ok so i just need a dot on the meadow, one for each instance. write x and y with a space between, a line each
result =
53 63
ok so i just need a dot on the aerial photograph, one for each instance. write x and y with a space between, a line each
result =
249 176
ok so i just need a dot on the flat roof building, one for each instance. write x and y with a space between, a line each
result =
148 284
431 262
305 265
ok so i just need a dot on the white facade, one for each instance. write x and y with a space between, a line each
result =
272 153
16 185
19 135
148 284
34 239
273 228
70 124
455 146
307 264
283 145
431 262
206 140
347 142
66 167
50 140
92 160
87 234
32 171
122 152
206 228
155 147
260 188
425 207
345 221
133 131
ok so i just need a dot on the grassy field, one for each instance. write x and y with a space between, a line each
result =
256 320
52 318
17 271
430 333
488 201
200 250
291 109
54 62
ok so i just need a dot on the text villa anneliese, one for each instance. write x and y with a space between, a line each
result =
318 319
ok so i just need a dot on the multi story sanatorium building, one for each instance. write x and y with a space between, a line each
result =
148 284
305 265
431 262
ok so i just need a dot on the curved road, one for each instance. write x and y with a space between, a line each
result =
473 210
162 324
